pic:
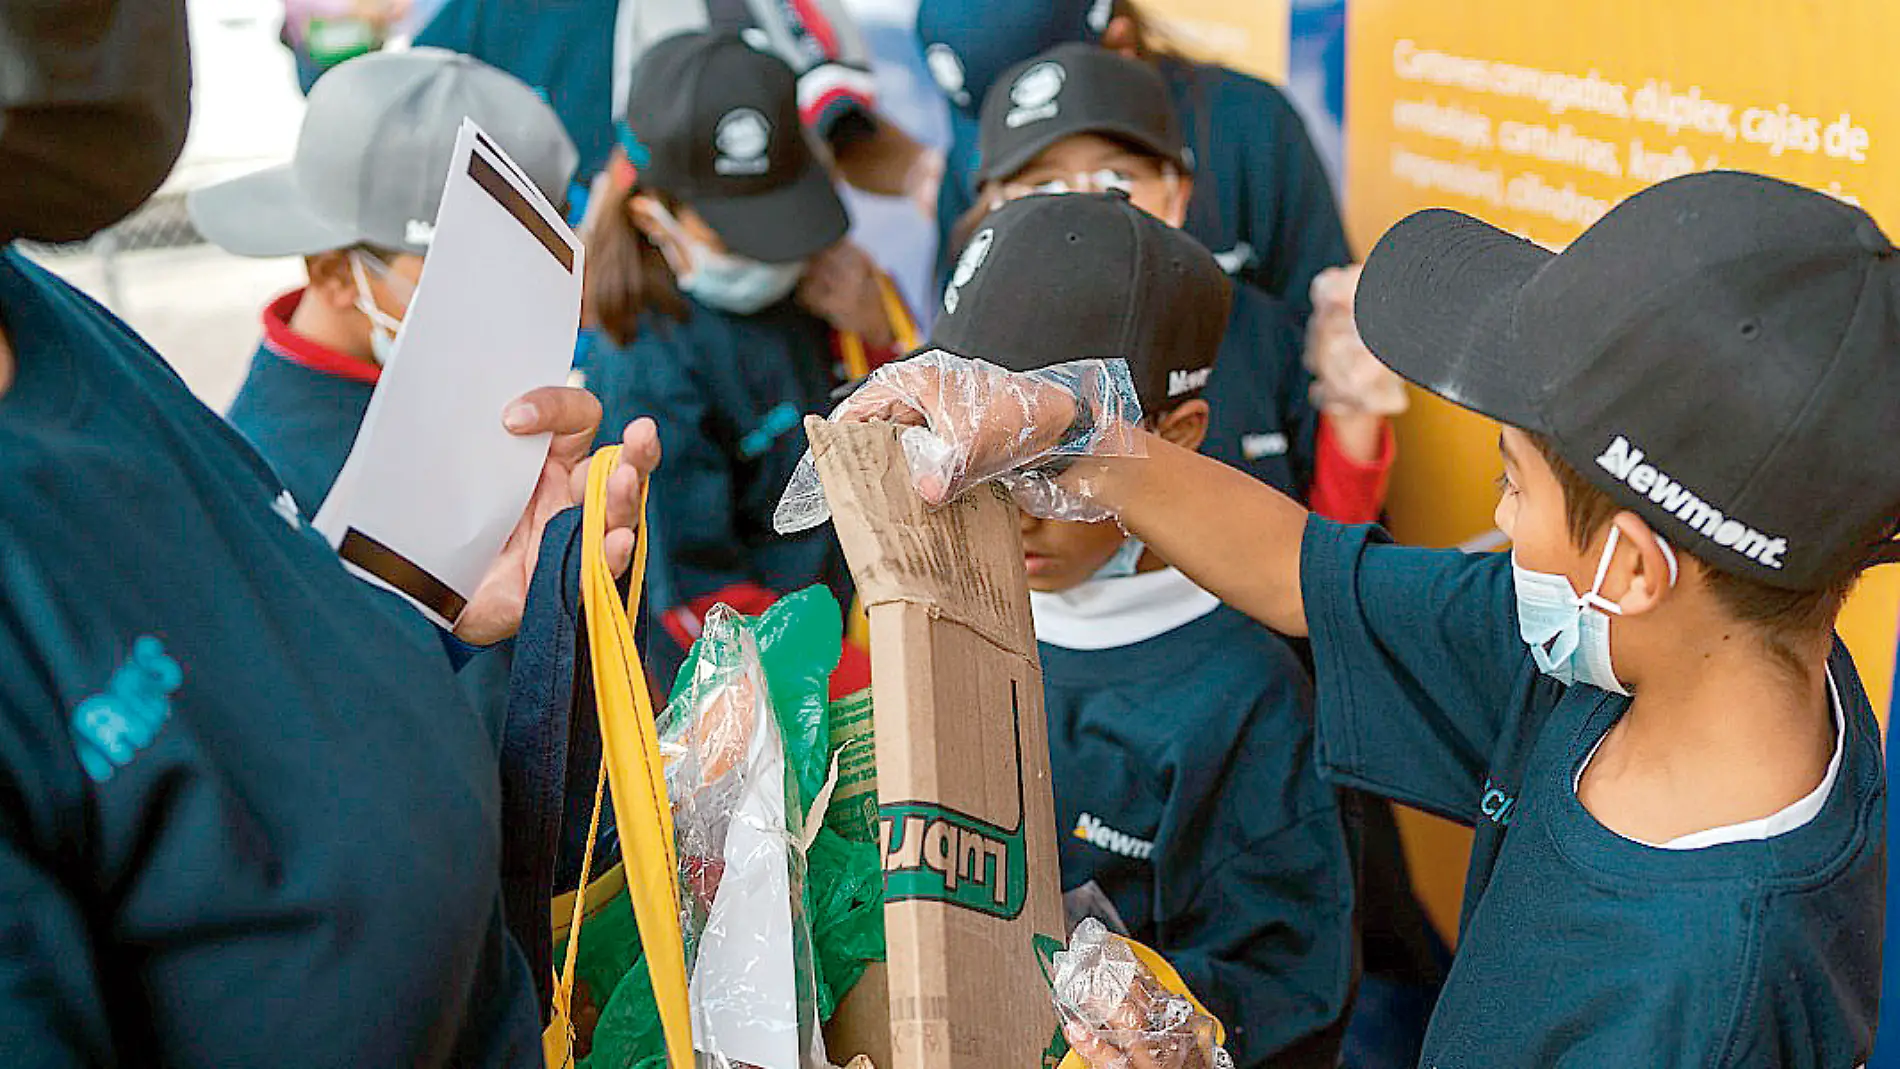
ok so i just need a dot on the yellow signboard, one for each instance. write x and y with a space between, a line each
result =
1539 115
1249 37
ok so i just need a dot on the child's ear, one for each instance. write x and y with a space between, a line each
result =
1646 572
1185 425
330 279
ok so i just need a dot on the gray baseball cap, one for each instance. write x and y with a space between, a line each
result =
373 155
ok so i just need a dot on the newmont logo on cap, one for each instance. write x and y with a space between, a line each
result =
967 264
1720 354
1075 89
1129 286
947 70
719 121
1625 462
1034 94
741 140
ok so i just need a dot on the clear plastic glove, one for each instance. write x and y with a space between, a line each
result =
1118 1015
1347 378
969 422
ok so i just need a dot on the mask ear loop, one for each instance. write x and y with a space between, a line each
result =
1596 600
366 302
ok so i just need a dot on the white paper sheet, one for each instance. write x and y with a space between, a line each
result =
744 984
434 483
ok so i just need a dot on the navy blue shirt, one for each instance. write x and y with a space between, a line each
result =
303 417
1262 202
1186 790
1579 947
729 394
564 48
249 818
1260 416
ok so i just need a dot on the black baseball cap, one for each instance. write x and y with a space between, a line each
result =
1075 89
1078 276
969 43
720 121
1720 354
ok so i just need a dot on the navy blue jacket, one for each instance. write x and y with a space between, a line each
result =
564 48
249 817
1261 417
729 394
1262 201
1187 792
1578 946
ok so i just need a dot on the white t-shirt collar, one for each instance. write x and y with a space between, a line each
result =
1104 614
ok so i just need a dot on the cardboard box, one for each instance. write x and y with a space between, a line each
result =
973 901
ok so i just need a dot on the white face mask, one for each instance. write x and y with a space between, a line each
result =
727 281
1569 635
382 325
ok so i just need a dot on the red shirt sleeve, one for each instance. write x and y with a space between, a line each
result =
1345 490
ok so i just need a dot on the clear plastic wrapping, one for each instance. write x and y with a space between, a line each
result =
970 422
751 974
1347 377
1120 1015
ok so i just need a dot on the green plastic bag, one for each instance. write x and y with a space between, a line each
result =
799 641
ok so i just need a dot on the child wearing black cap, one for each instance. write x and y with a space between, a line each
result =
1104 123
732 306
1266 207
1180 731
1673 772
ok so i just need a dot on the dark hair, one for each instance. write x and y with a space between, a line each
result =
627 274
1778 615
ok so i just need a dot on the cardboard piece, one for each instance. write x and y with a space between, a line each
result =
973 901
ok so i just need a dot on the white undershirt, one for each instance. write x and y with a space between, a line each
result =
1787 820
1106 614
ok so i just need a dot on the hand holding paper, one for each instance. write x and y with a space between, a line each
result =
444 498
571 416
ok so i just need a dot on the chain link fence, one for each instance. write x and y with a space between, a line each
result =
162 223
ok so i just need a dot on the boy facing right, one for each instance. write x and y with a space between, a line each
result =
1673 771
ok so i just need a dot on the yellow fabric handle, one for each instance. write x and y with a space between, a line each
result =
633 765
904 329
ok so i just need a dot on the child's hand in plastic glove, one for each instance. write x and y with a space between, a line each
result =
1118 1014
972 421
1347 378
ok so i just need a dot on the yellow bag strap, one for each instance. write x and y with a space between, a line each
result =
903 328
632 763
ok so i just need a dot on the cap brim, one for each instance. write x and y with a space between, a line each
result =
263 214
789 223
1436 303
1019 157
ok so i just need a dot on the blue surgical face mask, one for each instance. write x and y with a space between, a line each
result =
738 285
729 282
1123 564
1568 634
